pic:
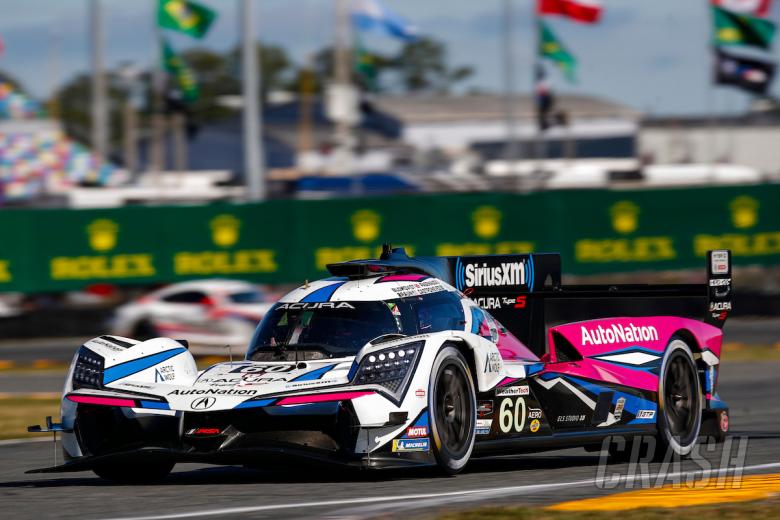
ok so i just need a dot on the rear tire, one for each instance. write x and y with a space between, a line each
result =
135 472
453 410
679 401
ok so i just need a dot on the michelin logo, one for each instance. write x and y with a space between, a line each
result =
401 445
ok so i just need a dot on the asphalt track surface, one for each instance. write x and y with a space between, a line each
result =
192 490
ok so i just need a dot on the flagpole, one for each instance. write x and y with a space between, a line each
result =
254 160
535 108
511 150
156 155
99 137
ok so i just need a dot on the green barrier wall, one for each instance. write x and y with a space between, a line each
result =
596 231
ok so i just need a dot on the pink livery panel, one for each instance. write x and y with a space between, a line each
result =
628 351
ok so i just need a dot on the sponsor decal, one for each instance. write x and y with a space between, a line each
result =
520 302
724 422
213 391
403 445
417 431
429 286
625 216
571 418
534 426
720 262
492 362
502 275
315 305
534 413
719 282
645 414
204 403
419 392
262 369
483 426
484 408
489 302
512 390
720 306
618 413
618 334
720 315
512 415
163 374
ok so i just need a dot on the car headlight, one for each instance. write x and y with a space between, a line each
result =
391 368
88 372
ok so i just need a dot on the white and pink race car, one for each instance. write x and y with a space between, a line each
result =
402 361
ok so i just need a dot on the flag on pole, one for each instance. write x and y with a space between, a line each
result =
185 78
551 48
365 66
371 15
584 11
741 29
749 74
185 16
752 7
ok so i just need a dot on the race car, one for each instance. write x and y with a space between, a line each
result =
209 313
401 361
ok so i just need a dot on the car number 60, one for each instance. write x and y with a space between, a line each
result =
506 420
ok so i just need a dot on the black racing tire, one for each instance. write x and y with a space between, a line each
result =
679 401
453 410
144 330
135 472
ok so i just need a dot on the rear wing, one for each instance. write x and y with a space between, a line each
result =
516 289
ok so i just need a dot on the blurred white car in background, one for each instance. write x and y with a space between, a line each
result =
210 314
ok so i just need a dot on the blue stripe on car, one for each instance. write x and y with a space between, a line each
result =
156 405
136 365
314 374
322 294
255 403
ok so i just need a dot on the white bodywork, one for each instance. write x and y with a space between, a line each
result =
175 379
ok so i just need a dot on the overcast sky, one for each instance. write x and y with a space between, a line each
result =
649 54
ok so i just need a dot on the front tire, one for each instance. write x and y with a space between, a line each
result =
679 400
452 404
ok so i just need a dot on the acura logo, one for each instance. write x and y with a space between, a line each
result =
204 403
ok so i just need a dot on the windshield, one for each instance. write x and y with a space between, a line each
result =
337 329
246 297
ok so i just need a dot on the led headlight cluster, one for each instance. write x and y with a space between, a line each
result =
88 372
390 367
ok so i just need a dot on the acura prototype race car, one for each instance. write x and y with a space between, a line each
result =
402 361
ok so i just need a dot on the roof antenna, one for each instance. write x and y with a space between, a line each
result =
230 352
306 284
387 248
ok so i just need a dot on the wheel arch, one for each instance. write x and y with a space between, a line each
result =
693 343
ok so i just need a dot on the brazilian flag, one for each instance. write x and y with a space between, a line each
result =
740 29
365 66
551 48
185 78
184 16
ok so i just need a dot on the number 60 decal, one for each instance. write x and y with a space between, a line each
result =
512 418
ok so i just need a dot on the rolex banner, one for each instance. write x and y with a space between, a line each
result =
289 241
752 75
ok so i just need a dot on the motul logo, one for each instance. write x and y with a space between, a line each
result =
417 431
